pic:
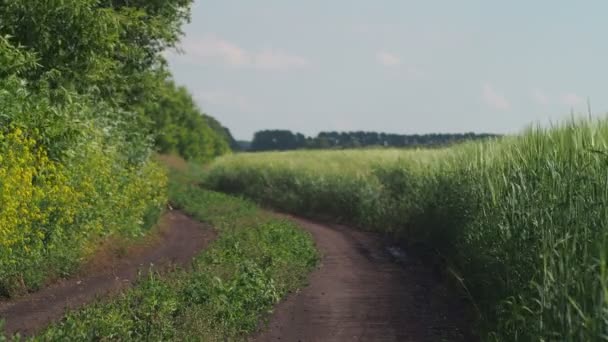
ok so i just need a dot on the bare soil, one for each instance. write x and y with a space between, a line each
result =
366 290
177 241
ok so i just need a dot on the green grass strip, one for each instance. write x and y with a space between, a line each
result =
256 260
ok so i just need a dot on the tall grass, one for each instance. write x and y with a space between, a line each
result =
522 221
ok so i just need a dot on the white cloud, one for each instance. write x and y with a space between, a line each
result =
211 48
391 60
211 98
388 59
571 99
540 97
271 59
494 98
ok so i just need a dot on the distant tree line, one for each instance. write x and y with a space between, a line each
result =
283 140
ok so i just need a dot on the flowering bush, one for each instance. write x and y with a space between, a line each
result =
68 177
84 92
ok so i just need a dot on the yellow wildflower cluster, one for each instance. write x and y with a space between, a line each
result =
51 214
30 189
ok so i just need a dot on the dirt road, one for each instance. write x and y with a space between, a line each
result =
180 238
364 292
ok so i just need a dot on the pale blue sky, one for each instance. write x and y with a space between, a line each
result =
395 66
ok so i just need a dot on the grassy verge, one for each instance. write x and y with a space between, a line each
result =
522 221
256 260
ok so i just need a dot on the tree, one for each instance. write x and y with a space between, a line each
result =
278 140
110 50
286 140
180 127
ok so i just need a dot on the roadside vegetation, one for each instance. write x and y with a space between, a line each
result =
232 286
85 100
520 221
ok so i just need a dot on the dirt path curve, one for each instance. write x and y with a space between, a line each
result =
179 239
364 292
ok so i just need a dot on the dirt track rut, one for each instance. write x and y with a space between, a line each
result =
362 293
180 239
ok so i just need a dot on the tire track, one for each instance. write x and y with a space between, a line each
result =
180 239
360 293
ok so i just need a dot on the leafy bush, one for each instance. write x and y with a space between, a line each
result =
67 178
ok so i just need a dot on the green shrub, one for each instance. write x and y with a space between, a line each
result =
67 179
